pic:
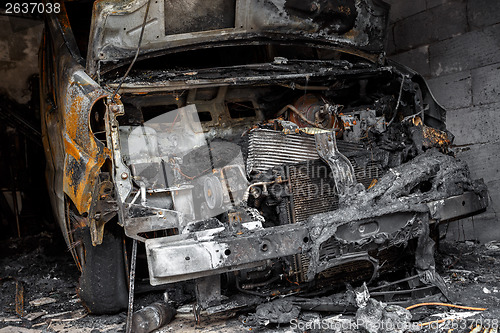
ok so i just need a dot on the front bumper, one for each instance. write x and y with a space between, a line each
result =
214 251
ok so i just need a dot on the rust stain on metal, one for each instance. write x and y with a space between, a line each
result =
435 138
84 154
73 116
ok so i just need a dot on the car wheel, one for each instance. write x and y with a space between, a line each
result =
103 284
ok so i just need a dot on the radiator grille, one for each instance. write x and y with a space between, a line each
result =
312 188
268 148
311 183
313 191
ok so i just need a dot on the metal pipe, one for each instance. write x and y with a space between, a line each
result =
300 115
143 194
301 87
128 328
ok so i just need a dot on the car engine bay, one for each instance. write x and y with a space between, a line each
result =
284 187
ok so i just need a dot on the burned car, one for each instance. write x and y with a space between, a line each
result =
255 147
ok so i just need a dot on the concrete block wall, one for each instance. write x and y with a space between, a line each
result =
455 45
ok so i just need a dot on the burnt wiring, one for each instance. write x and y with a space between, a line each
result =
445 304
462 307
412 116
294 86
398 102
136 52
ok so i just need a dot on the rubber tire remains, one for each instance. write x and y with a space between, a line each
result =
103 285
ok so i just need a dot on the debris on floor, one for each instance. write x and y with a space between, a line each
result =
152 317
42 301
467 269
34 315
376 317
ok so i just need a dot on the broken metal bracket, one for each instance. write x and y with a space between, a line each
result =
342 169
208 291
141 219
103 208
421 286
424 258
458 206
424 253
121 174
357 238
351 257
433 278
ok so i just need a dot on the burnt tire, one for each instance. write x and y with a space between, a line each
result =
103 284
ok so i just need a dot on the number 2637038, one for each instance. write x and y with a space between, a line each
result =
32 8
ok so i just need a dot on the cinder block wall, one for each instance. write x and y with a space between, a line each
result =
455 45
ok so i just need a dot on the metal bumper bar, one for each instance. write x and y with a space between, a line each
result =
214 251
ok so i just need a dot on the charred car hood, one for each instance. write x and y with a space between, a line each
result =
353 26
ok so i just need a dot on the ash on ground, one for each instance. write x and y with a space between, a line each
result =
39 279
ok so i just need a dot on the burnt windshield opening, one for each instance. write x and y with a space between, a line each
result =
228 56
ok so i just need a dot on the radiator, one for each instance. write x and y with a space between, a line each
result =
268 148
310 181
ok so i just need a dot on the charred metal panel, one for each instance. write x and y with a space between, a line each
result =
84 154
103 207
458 206
354 26
198 15
361 231
76 93
140 219
208 291
176 258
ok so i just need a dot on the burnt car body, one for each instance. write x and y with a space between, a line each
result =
256 147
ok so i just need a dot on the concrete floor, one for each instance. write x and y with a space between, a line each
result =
38 264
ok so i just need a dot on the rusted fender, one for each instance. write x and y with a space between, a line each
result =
84 155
